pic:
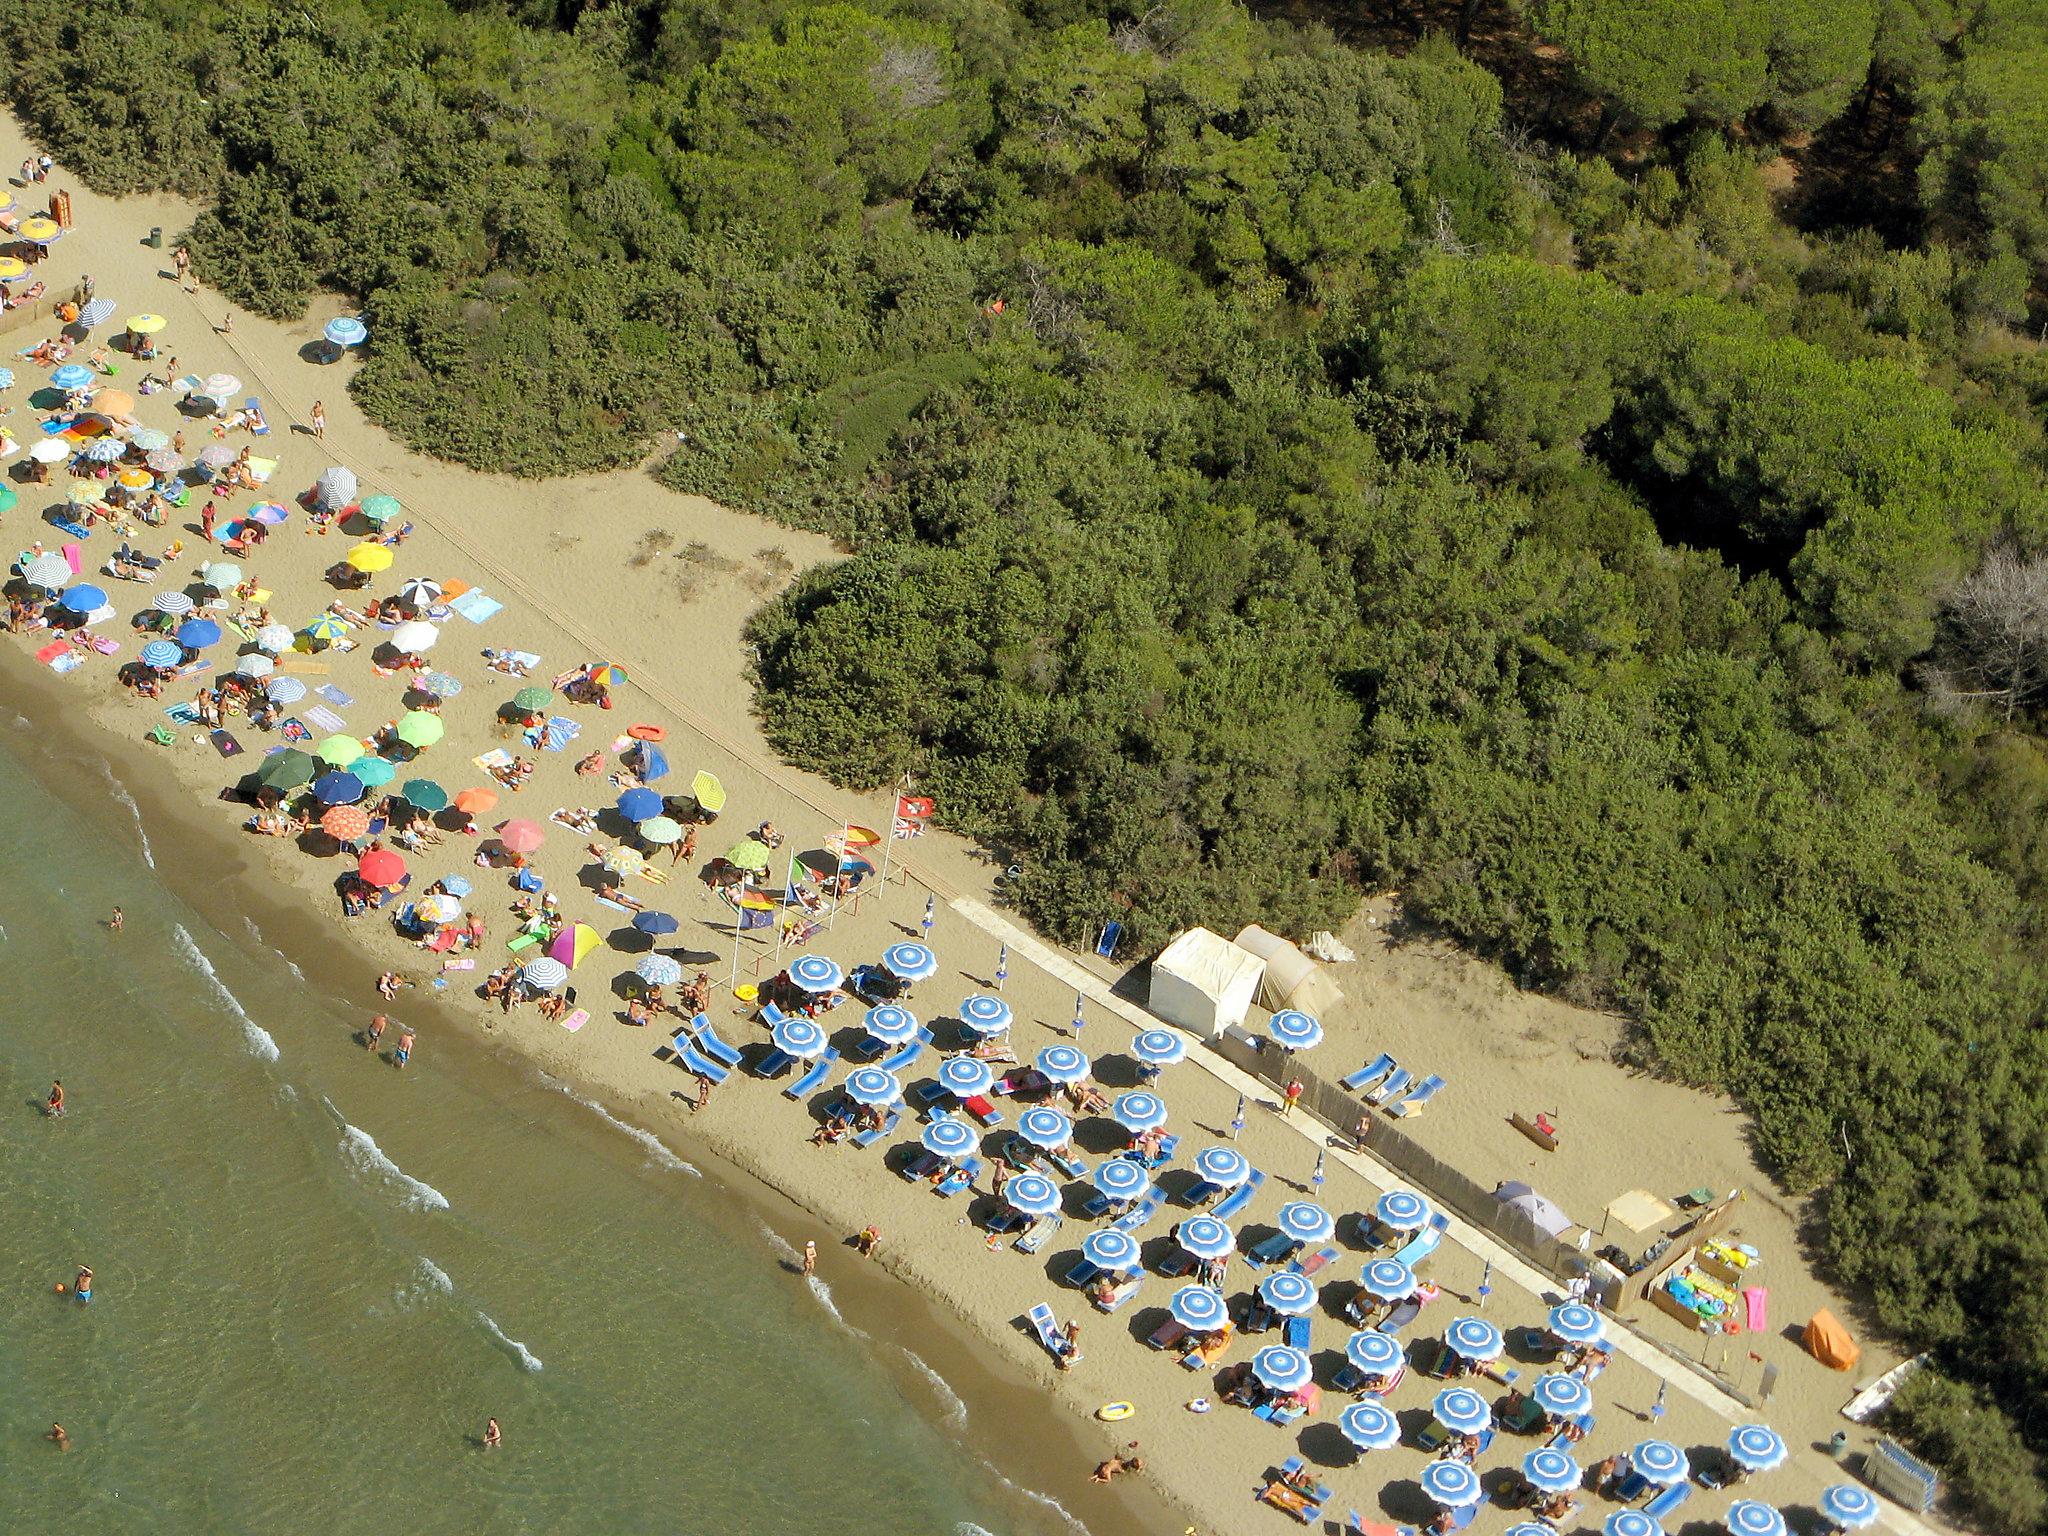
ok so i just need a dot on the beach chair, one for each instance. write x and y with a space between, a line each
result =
1273 1411
1418 1096
1213 1347
962 1177
1035 1236
929 1095
1272 1250
1167 1334
1400 1316
1397 1081
1175 1262
1425 1242
985 1114
814 1076
921 1167
1661 1506
1432 1437
1119 1293
1370 1073
1628 1489
1142 1212
1465 1514
1435 1358
1083 1272
1199 1193
1097 1205
1525 1418
259 426
1258 1317
1291 1501
1294 1334
771 1015
1068 1164
707 1038
774 1064
696 1061
867 1048
889 1123
906 1058
1003 1219
1167 1147
1047 1329
1239 1197
1315 1263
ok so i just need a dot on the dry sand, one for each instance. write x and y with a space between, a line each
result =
612 566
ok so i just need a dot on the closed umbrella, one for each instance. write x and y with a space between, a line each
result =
544 974
1388 1280
639 804
873 1086
1305 1221
1370 1425
162 653
198 634
1138 1111
1550 1470
337 788
1281 1369
345 823
1046 1128
945 1137
1451 1483
1121 1179
1294 1029
1198 1308
1063 1064
659 970
1159 1047
910 962
284 690
418 729
1400 1210
796 1035
891 1023
380 866
339 750
1374 1353
1475 1339
660 830
1032 1193
964 1077
1288 1293
424 794
816 973
1204 1237
1225 1167
985 1015
521 836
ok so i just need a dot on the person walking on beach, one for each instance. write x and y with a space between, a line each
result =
810 1257
227 325
114 922
375 1032
181 264
493 1436
703 1099
319 421
53 1106
207 514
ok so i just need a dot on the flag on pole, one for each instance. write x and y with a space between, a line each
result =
1002 966
1316 1178
931 911
912 812
1237 1120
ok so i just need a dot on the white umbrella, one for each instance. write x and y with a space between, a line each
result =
415 636
218 387
420 591
255 664
274 638
49 450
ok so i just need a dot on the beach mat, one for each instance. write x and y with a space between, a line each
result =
497 757
325 718
70 661
335 696
52 651
1756 1302
224 743
574 1021
558 733
305 665
294 730
184 714
476 606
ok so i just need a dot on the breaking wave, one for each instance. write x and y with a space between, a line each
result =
260 1043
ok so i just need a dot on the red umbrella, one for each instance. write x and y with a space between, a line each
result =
476 801
344 822
521 836
382 867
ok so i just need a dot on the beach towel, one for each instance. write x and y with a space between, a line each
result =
294 729
476 605
574 1021
464 964
225 744
560 731
302 664
260 470
497 757
335 696
52 651
193 668
184 714
76 530
105 646
652 875
75 558
616 906
70 661
325 718
101 614
1756 1300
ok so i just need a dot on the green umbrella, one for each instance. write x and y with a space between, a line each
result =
8 497
339 751
425 794
531 698
748 853
288 770
417 728
379 509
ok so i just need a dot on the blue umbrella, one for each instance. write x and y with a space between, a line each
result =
1063 1064
1294 1029
455 885
1110 1249
6 378
1288 1293
655 922
1199 1308
653 762
94 312
873 1086
1368 1425
198 634
1138 1111
162 653
1046 1128
373 771
1562 1396
1121 1179
1475 1339
1451 1483
104 450
337 788
1373 1352
171 603
948 1138
817 973
84 598
1388 1280
71 376
797 1035
893 1024
1033 1194
345 331
1530 1528
965 1077
1576 1323
659 970
1753 1517
1847 1507
1631 1522
1661 1462
441 685
1756 1448
1280 1369
1204 1237
1160 1047
910 962
1461 1410
1550 1470
638 805
284 690
1225 1166
985 1015
1306 1222
1401 1210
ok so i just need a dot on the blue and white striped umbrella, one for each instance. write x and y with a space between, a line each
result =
873 1086
910 962
659 970
95 312
1847 1507
1294 1029
1576 1323
345 331
1550 1470
893 1024
1388 1280
71 376
1160 1047
1530 1528
816 973
1631 1522
947 1137
1046 1128
1451 1483
544 973
455 885
1288 1293
1206 1238
1401 1210
1753 1517
985 1015
1475 1339
1368 1425
1121 1179
284 690
1110 1249
1224 1166
171 602
1305 1221
1661 1462
1280 1369
1138 1111
796 1035
1756 1448
965 1077
104 450
162 653
1461 1410
1063 1064
1033 1194
1199 1307
1373 1352
1562 1396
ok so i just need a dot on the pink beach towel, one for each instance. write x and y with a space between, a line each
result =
1757 1300
76 557
575 1021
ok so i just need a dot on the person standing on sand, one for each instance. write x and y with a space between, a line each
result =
227 324
207 514
53 1106
703 1099
493 1436
1072 1352
810 1257
114 922
319 421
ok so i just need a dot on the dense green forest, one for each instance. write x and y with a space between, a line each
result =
1580 461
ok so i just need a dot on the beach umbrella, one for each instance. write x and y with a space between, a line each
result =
380 509
1630 1522
474 802
660 830
53 570
275 638
72 376
573 945
198 634
146 325
985 1015
1204 1237
49 450
891 1023
1032 1193
220 575
215 456
1562 1396
1550 1470
420 591
1475 1339
1461 1410
1225 1167
135 479
115 405
284 690
269 513
1756 1448
1109 1249
1199 1308
1281 1369
1576 1323
521 835
1288 1293
345 331
337 788
910 962
1294 1029
335 489
369 559
162 653
1369 1425
1388 1280
651 763
1753 1517
1121 1179
84 598
1373 1352
639 804
623 860
1847 1507
707 791
455 885
1305 1221
964 1077
817 973
1451 1483
1661 1462
95 312
659 970
438 909
345 823
425 795
287 769
796 1035
945 1137
1159 1047
607 674
873 1086
544 974
440 684
415 635
148 440
218 387
1044 1127
1138 1111
10 498
6 378
380 866
339 750
255 664
12 268
375 772
1398 1210
325 629
40 231
103 450
655 923
532 700
1063 1064
749 854
418 729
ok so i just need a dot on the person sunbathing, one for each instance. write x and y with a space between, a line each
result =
614 894
831 1133
500 661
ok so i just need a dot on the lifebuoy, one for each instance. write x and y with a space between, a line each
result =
1109 1413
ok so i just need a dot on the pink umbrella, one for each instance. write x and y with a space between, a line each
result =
521 836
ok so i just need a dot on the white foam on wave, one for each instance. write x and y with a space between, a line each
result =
256 933
657 1153
528 1361
260 1043
819 1289
363 1151
429 1280
436 1276
956 1406
969 1528
1044 1499
121 794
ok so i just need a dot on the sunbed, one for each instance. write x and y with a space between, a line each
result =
696 1061
774 1064
962 1177
1239 1197
1525 1418
922 1166
1040 1230
1258 1316
1083 1272
1199 1193
1418 1096
1668 1500
1315 1263
1047 1328
1142 1212
1274 1411
1291 1501
1628 1489
1175 1262
1120 1293
1425 1242
1213 1347
1435 1358
929 1095
867 1048
1168 1145
1295 1334
874 1134
1397 1081
707 1037
1432 1437
906 1058
1276 1249
1370 1073
1400 1316
1350 1378
1097 1205
1068 1164
814 1077
984 1112
771 1015
1168 1334
1354 1522
1003 1218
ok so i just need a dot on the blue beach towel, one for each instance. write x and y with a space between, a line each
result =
476 606
560 731
335 696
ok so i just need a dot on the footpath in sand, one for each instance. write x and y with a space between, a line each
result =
612 567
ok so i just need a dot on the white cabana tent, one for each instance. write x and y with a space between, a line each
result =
1292 979
1204 983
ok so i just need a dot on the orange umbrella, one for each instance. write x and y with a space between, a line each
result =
475 802
521 836
345 822
113 402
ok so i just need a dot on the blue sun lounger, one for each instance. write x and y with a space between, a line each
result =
1370 1073
1142 1212
814 1078
696 1061
1041 1229
1276 1249
962 1177
1425 1242
1068 1164
1003 1219
1097 1205
1175 1262
889 1123
921 1167
867 1048
1294 1333
1201 1192
1397 1082
1047 1329
1239 1197
1418 1096
1668 1500
1168 1145
707 1038
1083 1272
906 1058
774 1064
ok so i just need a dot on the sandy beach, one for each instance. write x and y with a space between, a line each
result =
615 568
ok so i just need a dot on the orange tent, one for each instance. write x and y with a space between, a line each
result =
1829 1342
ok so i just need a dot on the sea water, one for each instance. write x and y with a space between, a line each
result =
318 1276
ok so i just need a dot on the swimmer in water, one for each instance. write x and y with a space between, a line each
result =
82 1286
493 1436
57 1437
53 1106
375 1032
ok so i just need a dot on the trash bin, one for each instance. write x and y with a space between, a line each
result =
156 237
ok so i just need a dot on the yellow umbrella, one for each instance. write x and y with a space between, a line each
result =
40 230
572 945
369 558
708 792
146 325
87 493
12 268
135 479
6 201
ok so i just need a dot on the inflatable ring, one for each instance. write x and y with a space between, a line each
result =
746 991
647 733
1110 1413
